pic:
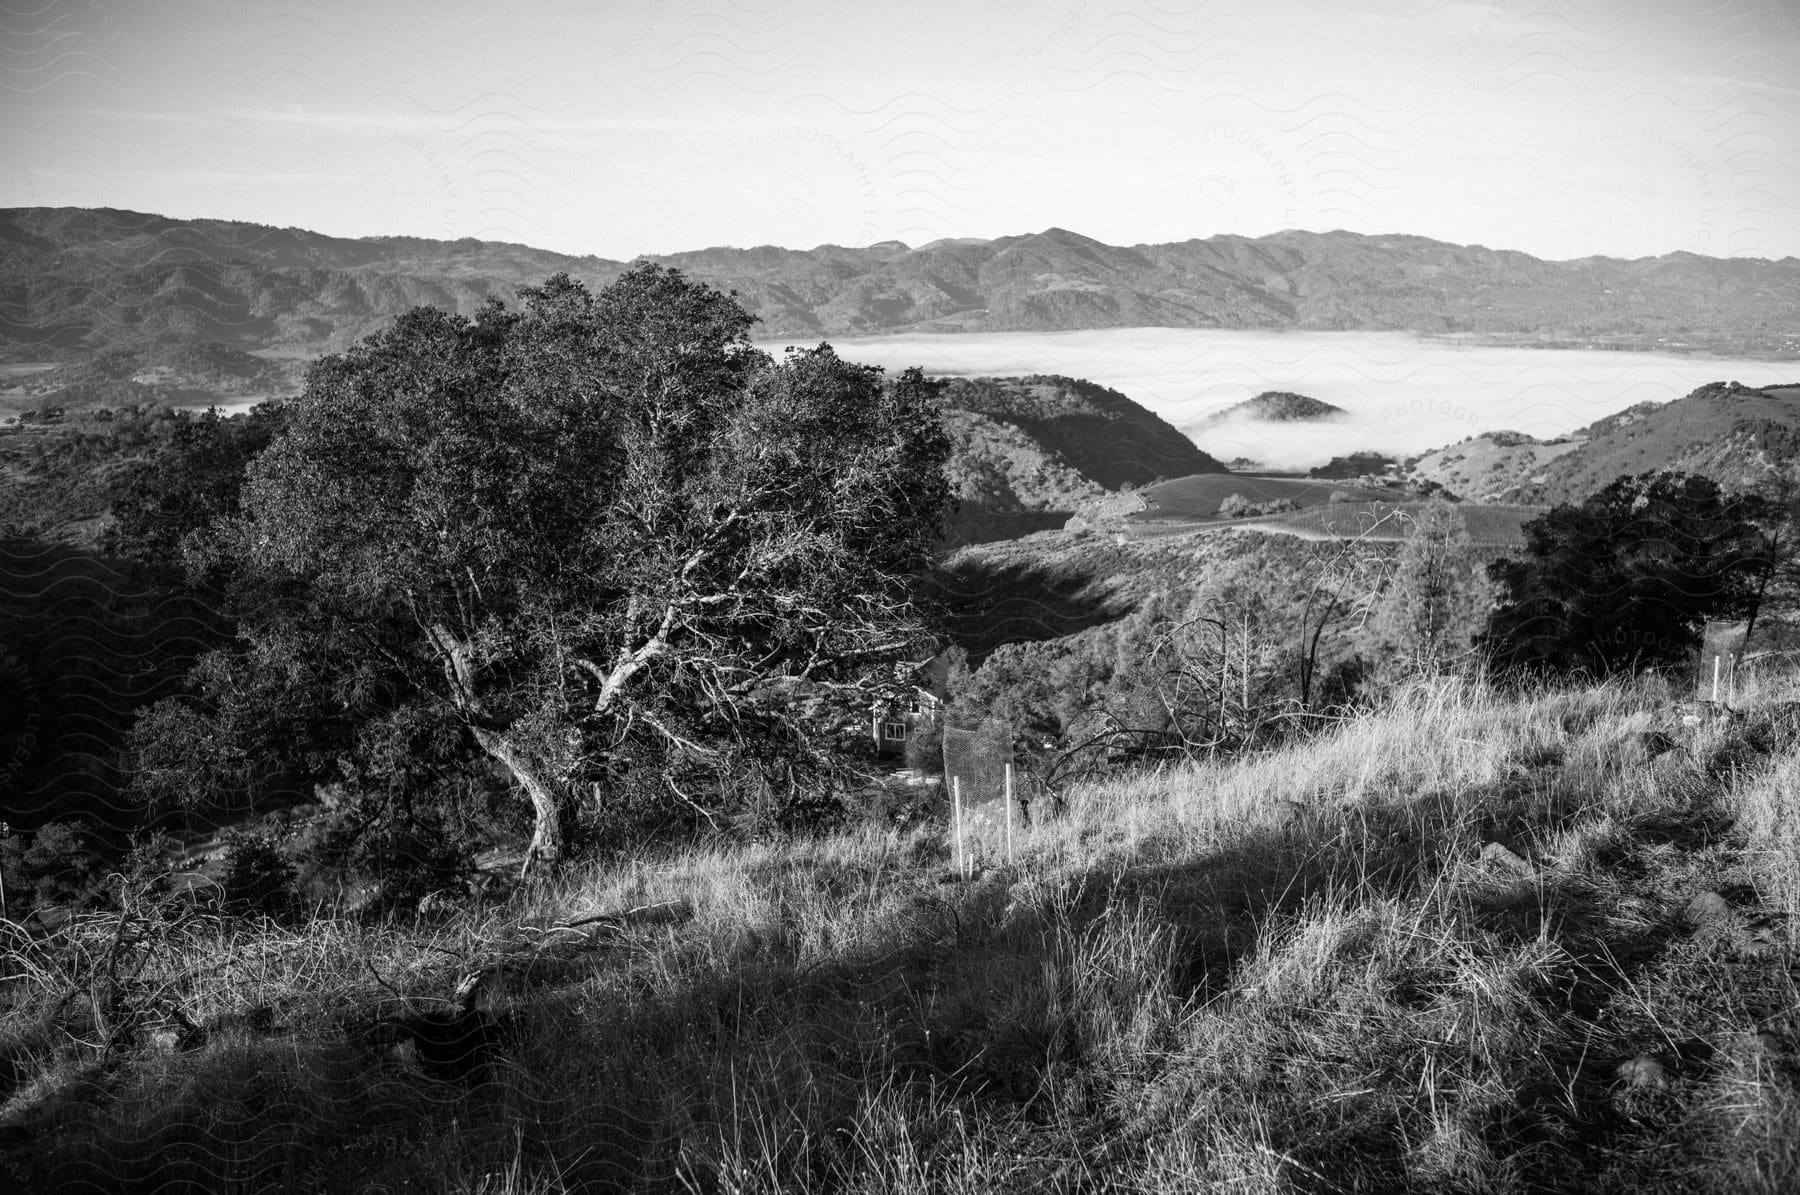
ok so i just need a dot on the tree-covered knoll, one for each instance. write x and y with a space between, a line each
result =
1099 431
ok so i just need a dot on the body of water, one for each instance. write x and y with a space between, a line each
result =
1405 394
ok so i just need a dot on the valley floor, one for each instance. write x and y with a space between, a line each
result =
1472 943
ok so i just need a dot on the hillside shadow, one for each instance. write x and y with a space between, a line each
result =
963 992
90 642
994 996
974 524
986 603
1115 451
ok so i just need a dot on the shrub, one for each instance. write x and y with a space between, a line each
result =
895 805
1236 506
258 879
59 866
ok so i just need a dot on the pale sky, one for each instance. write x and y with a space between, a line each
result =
1619 127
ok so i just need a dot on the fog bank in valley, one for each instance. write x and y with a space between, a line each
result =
1404 394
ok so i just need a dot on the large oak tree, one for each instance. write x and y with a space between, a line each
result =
593 539
1628 578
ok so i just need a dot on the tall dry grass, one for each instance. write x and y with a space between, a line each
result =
1413 953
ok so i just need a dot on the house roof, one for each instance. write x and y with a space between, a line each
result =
933 675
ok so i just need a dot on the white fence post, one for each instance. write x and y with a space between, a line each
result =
1009 815
956 824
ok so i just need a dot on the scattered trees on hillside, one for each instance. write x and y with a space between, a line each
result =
75 470
1625 580
186 485
1222 677
598 542
1235 645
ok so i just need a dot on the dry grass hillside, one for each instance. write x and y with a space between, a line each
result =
1006 483
1483 468
1737 435
1472 943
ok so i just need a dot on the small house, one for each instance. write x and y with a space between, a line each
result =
892 723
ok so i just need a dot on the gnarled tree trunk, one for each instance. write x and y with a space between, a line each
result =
546 832
462 670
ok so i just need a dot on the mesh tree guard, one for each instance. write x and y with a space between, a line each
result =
977 781
1720 649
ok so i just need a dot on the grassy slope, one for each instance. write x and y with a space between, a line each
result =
1292 973
1006 483
1483 468
1199 496
1728 432
1054 584
1489 526
1192 503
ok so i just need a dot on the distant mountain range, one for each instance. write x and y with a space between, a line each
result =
77 281
143 308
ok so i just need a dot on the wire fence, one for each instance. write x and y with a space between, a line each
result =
988 804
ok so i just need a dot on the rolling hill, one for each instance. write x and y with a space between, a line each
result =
1029 452
1100 431
1278 406
1734 434
1485 467
173 372
78 281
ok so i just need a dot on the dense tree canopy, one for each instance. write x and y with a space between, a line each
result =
598 541
188 483
1626 579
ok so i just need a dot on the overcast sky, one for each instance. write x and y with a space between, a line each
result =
1619 127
